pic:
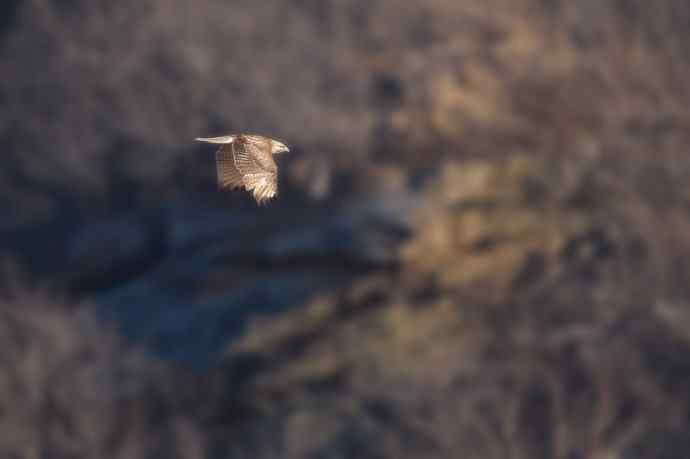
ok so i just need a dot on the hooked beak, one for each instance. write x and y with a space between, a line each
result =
280 147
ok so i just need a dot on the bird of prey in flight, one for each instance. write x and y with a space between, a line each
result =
246 161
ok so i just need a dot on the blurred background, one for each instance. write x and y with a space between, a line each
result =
480 249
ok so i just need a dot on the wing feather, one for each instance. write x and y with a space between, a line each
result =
254 161
228 176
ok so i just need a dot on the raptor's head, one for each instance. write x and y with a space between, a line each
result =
278 147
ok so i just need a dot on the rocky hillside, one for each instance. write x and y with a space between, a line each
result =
480 248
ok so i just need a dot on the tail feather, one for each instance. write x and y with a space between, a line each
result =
221 140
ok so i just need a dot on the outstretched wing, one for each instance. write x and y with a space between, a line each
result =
229 177
254 161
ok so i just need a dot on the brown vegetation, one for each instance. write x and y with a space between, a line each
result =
529 298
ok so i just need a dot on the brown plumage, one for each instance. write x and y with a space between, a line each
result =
246 161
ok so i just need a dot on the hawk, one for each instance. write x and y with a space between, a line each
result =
246 161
